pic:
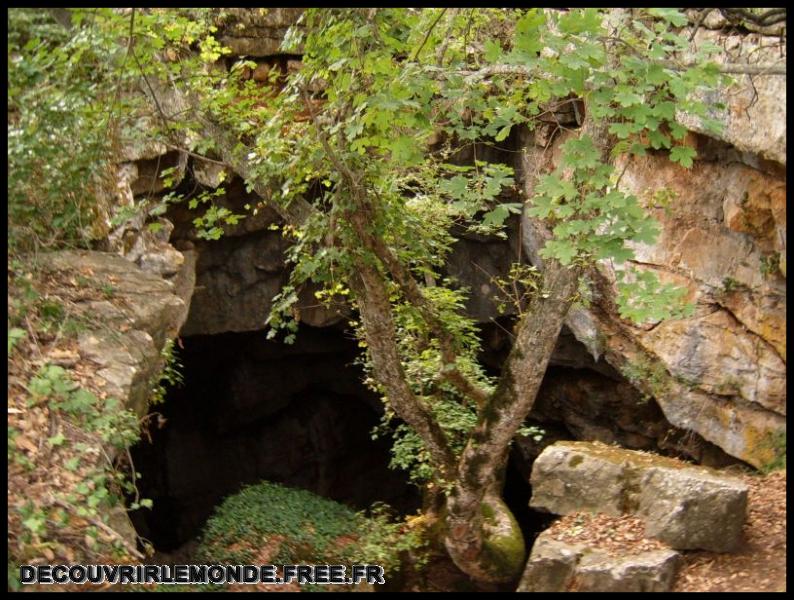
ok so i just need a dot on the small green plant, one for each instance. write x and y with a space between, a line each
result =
646 375
170 376
107 289
663 198
730 386
533 431
52 313
14 335
209 226
770 265
388 538
729 284
517 289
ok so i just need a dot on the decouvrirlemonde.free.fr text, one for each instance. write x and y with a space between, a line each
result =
202 574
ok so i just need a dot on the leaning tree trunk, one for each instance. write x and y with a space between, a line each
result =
483 538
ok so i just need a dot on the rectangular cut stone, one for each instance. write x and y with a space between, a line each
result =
566 479
683 505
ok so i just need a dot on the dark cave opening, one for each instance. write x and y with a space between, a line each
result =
253 409
516 493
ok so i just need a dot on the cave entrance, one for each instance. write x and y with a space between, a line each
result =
251 409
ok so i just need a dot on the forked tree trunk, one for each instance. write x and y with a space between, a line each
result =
483 538
481 534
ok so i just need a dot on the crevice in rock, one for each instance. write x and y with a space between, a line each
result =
758 338
710 149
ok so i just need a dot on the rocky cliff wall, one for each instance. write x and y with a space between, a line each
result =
720 373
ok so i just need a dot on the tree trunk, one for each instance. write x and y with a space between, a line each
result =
483 538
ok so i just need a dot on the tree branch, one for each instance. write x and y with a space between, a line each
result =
427 34
376 315
402 276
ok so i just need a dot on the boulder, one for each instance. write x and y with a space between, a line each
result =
652 571
687 509
140 314
557 566
685 506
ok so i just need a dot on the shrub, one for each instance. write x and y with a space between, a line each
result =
270 523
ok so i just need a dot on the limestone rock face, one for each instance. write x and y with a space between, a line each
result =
255 32
595 407
141 315
556 566
754 119
721 372
684 506
475 262
209 174
237 278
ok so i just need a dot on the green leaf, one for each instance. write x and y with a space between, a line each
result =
56 440
503 133
496 217
683 155
671 15
527 37
658 140
622 130
628 98
563 251
580 153
456 187
678 131
492 51
14 335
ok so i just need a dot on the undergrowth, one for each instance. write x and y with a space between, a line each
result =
270 523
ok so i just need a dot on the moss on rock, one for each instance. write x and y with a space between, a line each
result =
503 547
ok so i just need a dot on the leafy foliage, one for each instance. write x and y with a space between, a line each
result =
101 485
61 100
170 375
646 299
297 527
382 138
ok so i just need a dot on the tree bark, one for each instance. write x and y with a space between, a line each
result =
376 315
483 538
